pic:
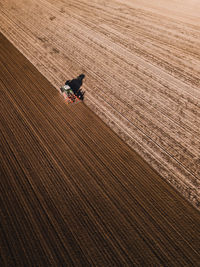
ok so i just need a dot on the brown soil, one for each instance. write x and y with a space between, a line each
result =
72 193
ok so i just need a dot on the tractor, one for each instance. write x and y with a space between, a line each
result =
69 95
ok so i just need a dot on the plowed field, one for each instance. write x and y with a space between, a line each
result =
72 193
142 65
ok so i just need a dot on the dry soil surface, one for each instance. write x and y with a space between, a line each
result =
142 65
72 193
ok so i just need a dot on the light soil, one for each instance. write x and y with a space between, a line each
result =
142 65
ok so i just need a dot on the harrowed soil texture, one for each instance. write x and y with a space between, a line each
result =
72 192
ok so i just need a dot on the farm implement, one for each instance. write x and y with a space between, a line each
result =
69 95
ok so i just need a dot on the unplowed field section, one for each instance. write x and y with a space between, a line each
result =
72 193
141 59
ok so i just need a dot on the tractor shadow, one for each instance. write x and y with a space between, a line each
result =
75 85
